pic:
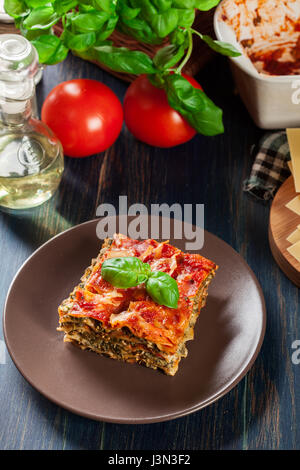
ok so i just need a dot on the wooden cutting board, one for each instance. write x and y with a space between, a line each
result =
282 223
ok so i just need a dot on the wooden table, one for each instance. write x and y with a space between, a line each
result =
263 410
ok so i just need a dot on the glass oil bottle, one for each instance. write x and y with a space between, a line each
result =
31 157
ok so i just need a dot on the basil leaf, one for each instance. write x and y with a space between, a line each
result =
33 34
129 272
78 42
165 23
179 37
186 18
127 12
183 3
89 22
168 56
163 289
50 49
113 19
192 103
221 47
148 10
63 6
85 8
162 5
107 30
16 8
121 59
84 2
36 3
139 30
205 5
41 18
105 5
137 23
59 55
125 272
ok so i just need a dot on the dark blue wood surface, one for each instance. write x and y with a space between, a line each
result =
263 410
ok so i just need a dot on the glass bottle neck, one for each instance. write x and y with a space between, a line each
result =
11 115
17 100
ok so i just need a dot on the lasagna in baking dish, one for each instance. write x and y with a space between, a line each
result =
126 324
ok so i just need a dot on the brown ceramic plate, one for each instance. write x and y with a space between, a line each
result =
228 336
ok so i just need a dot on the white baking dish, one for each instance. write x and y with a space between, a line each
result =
272 101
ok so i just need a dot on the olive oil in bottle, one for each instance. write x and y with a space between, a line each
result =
31 157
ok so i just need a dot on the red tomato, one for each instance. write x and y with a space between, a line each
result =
85 115
150 118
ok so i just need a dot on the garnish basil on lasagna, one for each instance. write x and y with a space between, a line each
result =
126 323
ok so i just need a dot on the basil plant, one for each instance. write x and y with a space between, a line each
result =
87 26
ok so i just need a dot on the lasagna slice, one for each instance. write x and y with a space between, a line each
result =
126 324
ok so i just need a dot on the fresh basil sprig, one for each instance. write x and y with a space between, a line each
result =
130 272
194 105
86 29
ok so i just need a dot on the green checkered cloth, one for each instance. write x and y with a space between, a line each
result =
270 167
